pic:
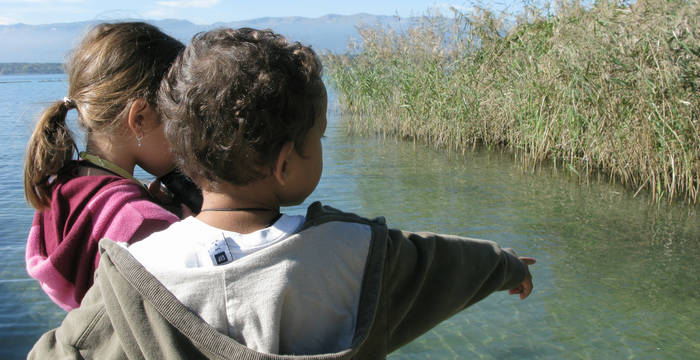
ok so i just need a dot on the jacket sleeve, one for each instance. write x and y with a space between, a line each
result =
432 277
49 346
85 333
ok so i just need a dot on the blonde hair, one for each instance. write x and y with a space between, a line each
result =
114 64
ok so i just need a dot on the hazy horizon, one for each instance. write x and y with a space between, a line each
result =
207 12
51 43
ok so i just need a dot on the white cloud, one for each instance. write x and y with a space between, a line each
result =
41 1
159 13
7 21
189 3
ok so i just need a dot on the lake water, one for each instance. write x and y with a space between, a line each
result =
616 278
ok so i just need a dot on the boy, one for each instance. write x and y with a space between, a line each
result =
245 113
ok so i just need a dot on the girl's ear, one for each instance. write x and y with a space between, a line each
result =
281 168
140 115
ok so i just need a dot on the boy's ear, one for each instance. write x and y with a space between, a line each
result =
139 114
281 168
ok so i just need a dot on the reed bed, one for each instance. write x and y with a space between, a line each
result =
609 88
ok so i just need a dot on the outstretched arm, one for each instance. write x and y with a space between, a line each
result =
431 277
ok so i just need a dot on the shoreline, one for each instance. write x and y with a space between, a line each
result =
598 90
31 68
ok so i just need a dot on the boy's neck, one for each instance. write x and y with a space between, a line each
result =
241 209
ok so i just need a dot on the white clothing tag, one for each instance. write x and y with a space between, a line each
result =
219 251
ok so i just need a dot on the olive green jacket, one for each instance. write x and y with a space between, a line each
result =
412 282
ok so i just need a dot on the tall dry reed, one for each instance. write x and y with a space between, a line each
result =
611 88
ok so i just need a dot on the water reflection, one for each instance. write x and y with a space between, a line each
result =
617 278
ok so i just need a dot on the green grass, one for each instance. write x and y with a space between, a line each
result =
610 89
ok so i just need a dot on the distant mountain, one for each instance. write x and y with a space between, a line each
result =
30 68
21 43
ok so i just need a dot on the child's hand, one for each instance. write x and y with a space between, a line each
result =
525 287
166 200
156 190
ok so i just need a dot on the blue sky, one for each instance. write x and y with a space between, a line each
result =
210 11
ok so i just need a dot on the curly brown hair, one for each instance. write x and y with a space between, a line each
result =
233 98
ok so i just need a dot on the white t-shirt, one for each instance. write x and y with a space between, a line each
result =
192 243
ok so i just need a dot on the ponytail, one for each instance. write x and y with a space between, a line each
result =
112 65
49 148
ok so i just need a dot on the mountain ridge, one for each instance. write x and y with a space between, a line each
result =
50 43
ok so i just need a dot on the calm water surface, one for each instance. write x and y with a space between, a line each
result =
615 278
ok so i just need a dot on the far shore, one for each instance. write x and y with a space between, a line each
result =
30 68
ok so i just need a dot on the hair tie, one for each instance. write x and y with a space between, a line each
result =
68 103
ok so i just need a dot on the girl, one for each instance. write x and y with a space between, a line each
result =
113 76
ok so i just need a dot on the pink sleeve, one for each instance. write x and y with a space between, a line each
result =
123 213
59 290
120 211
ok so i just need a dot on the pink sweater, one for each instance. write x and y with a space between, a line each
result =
62 245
